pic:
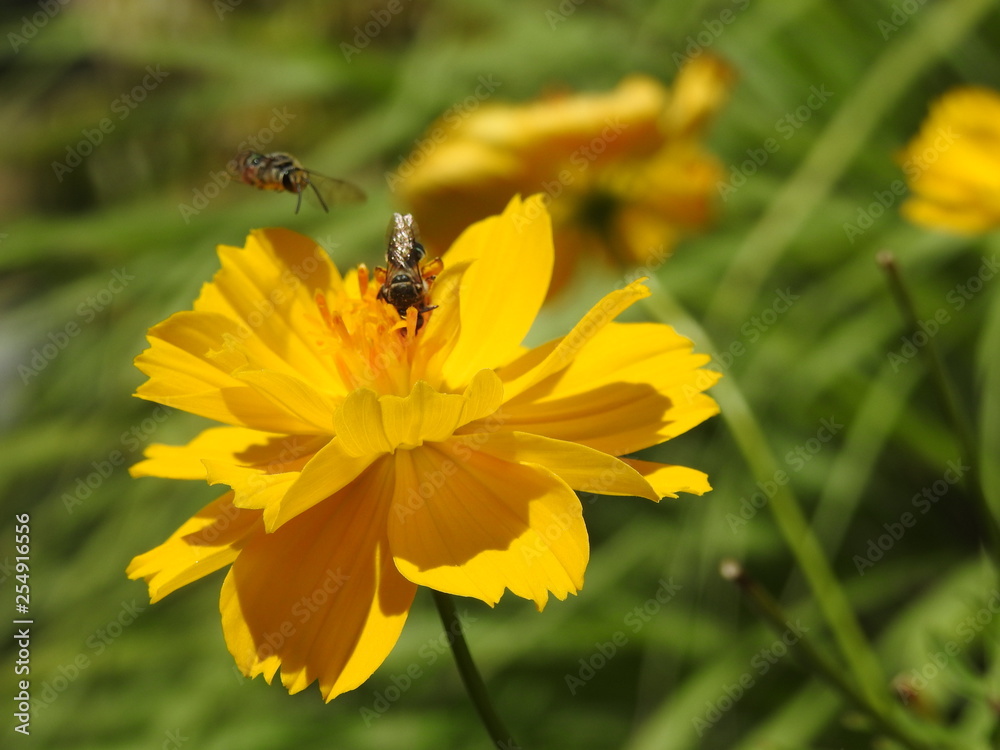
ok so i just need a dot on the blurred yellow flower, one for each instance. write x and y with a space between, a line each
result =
953 164
366 457
624 172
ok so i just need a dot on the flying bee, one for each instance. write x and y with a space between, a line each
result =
404 282
280 171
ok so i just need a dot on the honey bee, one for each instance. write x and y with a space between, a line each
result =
280 171
404 282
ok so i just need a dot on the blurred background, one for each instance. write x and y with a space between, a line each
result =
118 121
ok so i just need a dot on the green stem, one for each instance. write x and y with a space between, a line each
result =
946 391
819 662
791 521
471 678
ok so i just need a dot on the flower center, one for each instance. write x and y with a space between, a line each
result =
368 343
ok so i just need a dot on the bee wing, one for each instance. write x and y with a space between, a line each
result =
333 192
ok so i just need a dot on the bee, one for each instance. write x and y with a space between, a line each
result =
280 171
404 282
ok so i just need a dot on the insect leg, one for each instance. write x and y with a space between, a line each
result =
318 195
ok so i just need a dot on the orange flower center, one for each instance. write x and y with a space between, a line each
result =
369 344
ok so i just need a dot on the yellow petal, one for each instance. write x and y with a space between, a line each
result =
186 371
423 415
668 480
233 444
268 287
700 89
467 523
329 471
503 289
953 164
958 218
253 489
358 423
582 468
291 394
368 424
518 378
320 597
210 540
628 387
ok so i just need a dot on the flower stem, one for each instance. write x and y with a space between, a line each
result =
788 515
820 663
471 678
946 391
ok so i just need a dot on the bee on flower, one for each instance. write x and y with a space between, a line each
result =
336 408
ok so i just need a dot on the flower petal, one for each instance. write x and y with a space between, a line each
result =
233 445
332 469
191 363
628 387
320 597
253 489
368 424
294 396
470 524
558 355
668 480
503 288
209 540
268 286
582 468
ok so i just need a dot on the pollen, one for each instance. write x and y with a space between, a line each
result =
366 341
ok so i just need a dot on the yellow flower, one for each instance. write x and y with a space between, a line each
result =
366 457
624 172
953 164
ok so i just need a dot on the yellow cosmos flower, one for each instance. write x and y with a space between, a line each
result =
953 164
624 173
365 457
